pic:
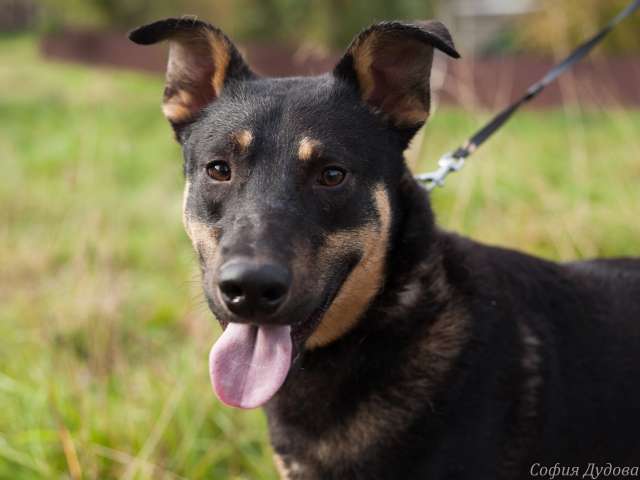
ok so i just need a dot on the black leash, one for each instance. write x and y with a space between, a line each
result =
452 162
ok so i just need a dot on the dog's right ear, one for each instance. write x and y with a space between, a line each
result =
202 60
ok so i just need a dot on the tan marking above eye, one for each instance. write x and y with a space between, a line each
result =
308 147
242 139
364 281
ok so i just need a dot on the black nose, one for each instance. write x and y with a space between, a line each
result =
250 289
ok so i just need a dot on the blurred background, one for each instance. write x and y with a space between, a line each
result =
104 333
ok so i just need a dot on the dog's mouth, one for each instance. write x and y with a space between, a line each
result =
249 363
302 330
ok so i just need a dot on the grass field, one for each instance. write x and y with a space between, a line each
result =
103 361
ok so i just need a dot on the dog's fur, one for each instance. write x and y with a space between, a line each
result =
419 354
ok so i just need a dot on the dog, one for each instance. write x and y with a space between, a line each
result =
379 345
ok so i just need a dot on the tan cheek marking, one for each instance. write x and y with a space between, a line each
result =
308 146
363 282
203 237
243 139
185 197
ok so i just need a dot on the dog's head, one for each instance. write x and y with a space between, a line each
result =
290 186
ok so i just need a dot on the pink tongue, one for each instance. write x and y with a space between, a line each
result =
248 364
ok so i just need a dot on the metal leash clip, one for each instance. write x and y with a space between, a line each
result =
447 164
450 163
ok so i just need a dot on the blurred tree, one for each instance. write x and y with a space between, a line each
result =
554 28
332 23
559 26
125 14
17 15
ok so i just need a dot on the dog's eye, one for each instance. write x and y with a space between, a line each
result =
219 170
332 176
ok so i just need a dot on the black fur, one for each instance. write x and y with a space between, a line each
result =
586 316
500 361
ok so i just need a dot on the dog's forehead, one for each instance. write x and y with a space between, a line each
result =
286 109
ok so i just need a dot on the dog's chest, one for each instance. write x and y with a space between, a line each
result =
322 434
313 438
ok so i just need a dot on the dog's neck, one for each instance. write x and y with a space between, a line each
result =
415 263
325 402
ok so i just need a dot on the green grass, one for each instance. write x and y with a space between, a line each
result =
103 364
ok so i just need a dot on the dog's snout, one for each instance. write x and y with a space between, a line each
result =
251 289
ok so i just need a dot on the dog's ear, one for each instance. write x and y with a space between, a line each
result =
202 60
390 65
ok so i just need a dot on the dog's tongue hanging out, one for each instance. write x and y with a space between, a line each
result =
248 364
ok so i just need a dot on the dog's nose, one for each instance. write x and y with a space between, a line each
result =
250 289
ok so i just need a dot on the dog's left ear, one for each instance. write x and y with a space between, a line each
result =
390 65
202 60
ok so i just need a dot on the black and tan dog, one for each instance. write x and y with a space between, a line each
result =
379 345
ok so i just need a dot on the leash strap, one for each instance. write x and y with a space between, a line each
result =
452 162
